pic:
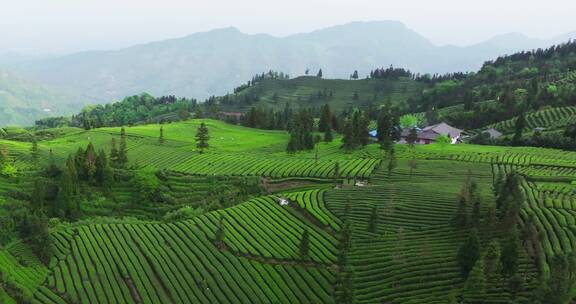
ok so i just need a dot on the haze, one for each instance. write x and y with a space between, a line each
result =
71 25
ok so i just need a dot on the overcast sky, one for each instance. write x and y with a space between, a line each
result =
73 25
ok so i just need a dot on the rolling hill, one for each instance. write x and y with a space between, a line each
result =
23 101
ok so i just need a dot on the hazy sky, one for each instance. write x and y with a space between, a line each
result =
72 25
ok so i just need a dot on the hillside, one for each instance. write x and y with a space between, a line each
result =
212 63
23 101
179 226
311 91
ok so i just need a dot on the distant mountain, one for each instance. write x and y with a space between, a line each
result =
22 101
212 63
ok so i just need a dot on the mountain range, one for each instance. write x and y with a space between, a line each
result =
214 62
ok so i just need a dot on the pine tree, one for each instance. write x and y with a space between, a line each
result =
385 127
161 137
122 152
475 286
492 260
355 75
220 233
348 140
519 128
373 221
38 197
460 219
336 172
101 164
304 244
39 239
325 122
510 253
34 150
328 137
90 162
202 137
392 162
68 202
317 140
469 253
412 137
319 75
113 153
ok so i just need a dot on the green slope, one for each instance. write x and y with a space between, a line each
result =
308 91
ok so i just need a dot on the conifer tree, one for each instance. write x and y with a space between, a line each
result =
475 286
373 221
38 197
113 153
385 127
220 233
328 137
460 219
392 162
90 161
519 128
317 140
304 244
202 137
325 122
34 150
67 201
161 137
469 253
336 172
492 260
319 75
510 253
101 164
122 152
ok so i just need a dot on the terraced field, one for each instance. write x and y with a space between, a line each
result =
550 119
412 256
170 263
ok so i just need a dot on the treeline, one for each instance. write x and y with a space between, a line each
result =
131 110
510 85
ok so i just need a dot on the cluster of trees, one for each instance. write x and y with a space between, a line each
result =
514 84
301 132
135 109
483 267
390 73
355 131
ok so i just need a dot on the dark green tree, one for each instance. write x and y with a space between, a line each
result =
519 128
319 75
373 221
68 203
39 239
34 150
220 233
510 253
90 162
161 137
328 137
202 137
325 122
460 218
123 152
113 153
475 286
469 253
392 162
304 244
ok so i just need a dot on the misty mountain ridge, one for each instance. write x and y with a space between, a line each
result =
214 62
